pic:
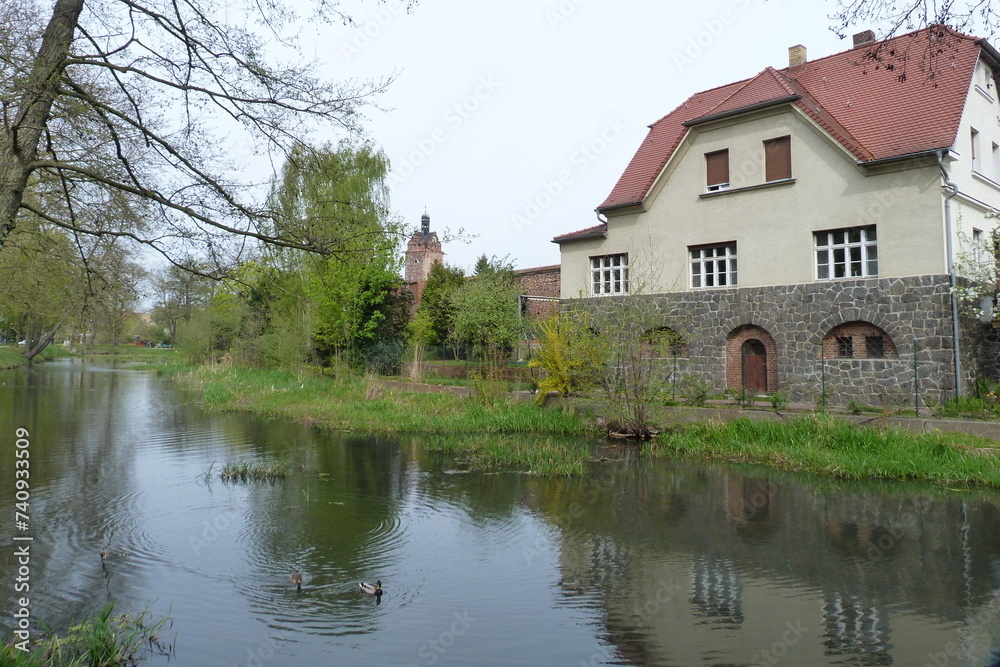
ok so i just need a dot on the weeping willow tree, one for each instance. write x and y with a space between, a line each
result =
335 198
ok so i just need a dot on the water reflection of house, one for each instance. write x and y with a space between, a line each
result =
752 503
856 628
829 576
716 591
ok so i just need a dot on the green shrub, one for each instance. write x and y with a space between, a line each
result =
695 389
779 399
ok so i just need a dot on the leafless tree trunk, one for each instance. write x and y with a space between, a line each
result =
109 118
19 142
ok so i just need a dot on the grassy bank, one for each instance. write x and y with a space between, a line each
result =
814 443
105 640
150 355
12 356
351 403
828 446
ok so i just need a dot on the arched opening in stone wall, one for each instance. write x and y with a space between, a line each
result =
663 343
858 340
751 360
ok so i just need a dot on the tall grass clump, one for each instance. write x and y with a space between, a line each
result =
830 446
246 470
546 457
106 640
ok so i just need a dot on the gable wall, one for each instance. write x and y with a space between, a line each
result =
772 225
980 190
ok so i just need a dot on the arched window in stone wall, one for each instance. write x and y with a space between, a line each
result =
858 340
663 342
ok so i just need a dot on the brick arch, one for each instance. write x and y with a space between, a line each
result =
854 314
734 355
858 339
665 341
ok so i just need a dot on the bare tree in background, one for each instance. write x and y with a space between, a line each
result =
893 17
120 118
937 24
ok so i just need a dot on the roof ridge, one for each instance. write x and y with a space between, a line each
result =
886 40
859 96
823 116
687 100
782 79
745 82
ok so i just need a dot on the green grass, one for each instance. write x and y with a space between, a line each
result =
103 641
466 382
12 356
351 403
547 457
828 446
152 355
246 470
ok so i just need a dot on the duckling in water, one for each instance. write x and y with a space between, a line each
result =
296 579
372 589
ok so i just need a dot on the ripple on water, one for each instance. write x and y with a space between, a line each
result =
330 602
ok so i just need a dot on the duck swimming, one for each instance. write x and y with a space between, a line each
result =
372 589
296 579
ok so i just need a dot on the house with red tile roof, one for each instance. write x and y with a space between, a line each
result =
800 227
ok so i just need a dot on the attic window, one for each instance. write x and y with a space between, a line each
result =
777 159
976 158
717 168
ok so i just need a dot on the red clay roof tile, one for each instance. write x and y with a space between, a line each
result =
589 232
900 96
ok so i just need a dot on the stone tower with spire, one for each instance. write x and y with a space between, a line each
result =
422 251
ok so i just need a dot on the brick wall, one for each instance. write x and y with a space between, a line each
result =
734 356
540 281
858 333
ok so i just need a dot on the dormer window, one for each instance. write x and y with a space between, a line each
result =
717 169
777 159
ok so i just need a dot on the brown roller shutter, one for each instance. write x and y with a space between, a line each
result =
717 164
777 159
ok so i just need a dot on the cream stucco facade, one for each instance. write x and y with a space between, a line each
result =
772 224
919 211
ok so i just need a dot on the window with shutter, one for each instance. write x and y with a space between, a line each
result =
778 159
717 167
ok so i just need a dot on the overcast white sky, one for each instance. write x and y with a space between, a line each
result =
514 119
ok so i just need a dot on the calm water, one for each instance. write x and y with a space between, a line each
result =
642 563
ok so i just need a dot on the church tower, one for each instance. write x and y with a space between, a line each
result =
422 251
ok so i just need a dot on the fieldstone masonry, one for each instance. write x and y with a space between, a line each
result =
793 321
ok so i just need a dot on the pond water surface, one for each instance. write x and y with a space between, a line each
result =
641 563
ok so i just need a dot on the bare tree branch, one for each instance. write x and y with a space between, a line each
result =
118 106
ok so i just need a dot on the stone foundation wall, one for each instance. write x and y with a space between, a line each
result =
914 310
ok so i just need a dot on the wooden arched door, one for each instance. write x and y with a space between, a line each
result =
754 365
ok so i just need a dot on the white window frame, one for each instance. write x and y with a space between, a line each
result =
854 250
977 158
609 274
996 163
715 264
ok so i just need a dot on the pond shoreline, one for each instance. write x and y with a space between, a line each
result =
819 443
727 411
